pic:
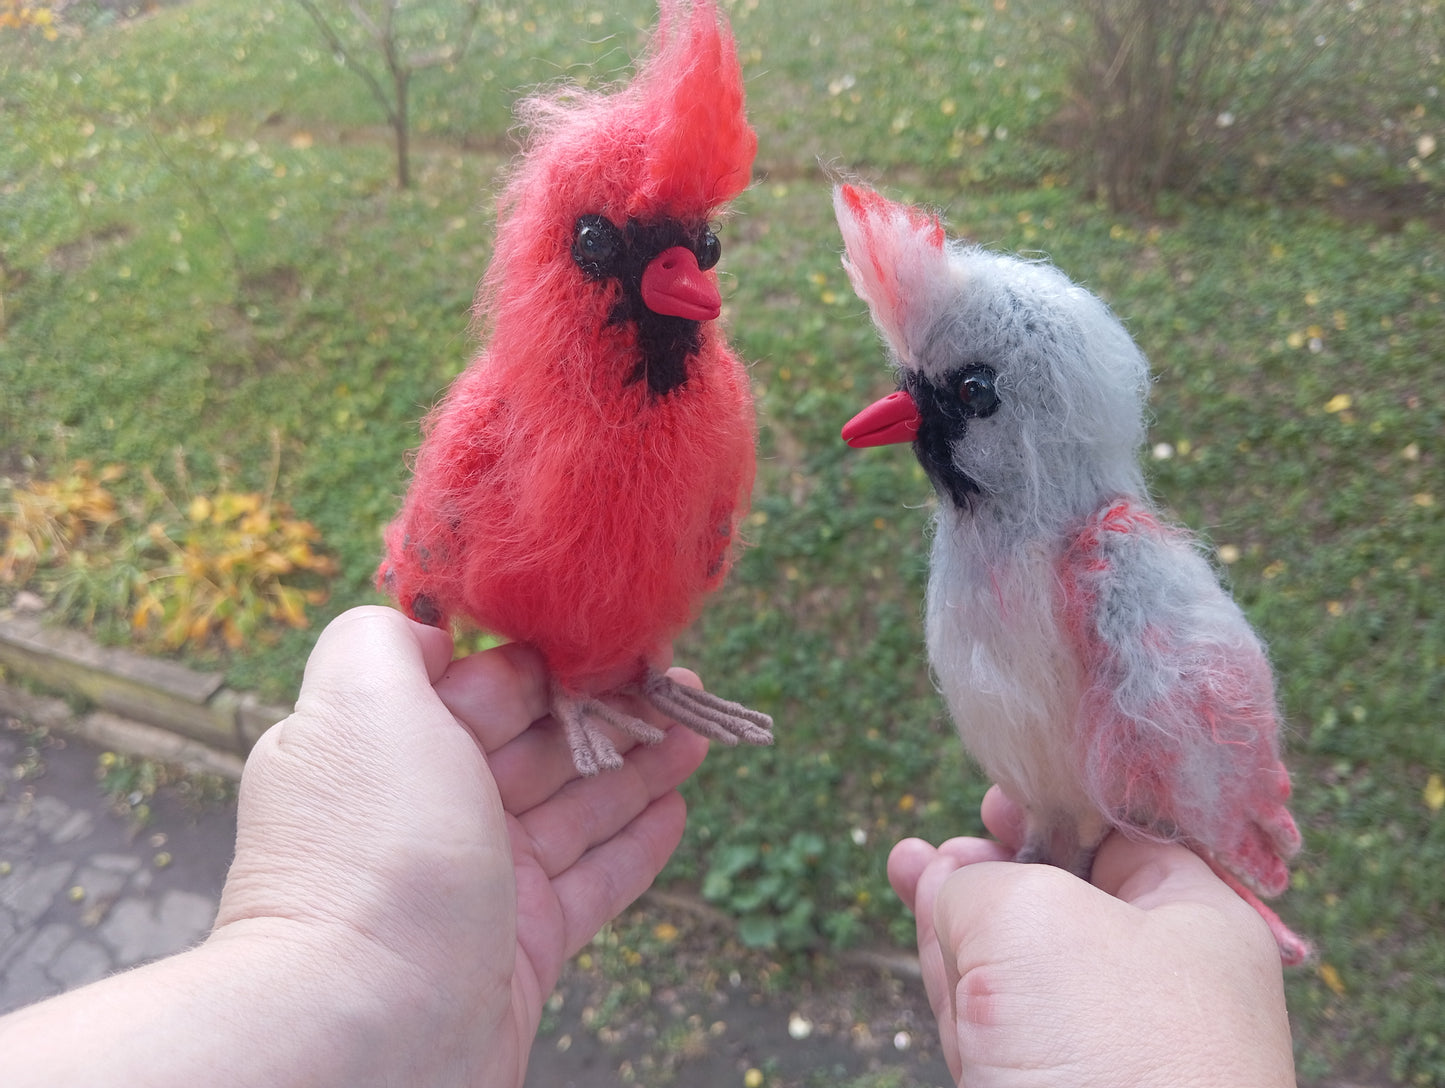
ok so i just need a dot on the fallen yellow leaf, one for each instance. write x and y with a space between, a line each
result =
1331 978
1339 402
1434 793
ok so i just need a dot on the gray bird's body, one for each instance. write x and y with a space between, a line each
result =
1091 660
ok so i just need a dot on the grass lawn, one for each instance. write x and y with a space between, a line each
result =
209 279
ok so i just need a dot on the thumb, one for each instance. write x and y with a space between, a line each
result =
367 651
1152 874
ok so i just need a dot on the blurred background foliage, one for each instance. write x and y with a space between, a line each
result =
221 321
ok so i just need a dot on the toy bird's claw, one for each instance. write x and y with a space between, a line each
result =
1069 843
715 718
703 712
592 751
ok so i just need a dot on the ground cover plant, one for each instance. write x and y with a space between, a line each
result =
209 280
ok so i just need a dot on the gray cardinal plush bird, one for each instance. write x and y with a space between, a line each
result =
1093 664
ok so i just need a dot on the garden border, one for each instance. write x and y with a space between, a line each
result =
143 705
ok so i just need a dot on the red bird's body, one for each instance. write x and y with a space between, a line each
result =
581 486
599 587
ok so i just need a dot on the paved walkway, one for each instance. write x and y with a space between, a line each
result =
83 891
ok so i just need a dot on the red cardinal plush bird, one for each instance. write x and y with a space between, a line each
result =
581 485
1092 662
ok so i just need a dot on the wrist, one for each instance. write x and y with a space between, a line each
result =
266 1001
339 1005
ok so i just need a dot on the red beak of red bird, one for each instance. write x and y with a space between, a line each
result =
1092 662
580 487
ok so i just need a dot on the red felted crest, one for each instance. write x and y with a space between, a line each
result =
690 95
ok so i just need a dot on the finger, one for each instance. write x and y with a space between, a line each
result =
936 957
369 664
371 646
908 859
497 693
436 646
589 811
1003 817
978 913
1148 874
1174 881
532 767
967 850
906 862
610 877
685 676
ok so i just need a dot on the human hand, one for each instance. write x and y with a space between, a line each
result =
1154 974
416 835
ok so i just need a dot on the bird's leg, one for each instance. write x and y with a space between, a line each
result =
592 751
703 712
1081 863
1062 840
716 718
1037 848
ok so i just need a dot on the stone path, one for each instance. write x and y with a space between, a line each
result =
83 892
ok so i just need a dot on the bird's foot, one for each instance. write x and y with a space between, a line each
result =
715 718
703 712
592 750
1067 845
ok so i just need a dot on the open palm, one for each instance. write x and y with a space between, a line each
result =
425 813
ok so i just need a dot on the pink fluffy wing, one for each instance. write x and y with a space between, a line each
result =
1179 732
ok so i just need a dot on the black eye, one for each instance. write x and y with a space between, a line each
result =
708 250
977 392
596 245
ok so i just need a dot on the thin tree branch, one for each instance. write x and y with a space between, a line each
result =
338 46
448 54
368 24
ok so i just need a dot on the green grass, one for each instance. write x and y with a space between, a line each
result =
203 255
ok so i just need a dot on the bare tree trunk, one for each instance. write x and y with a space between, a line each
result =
400 78
400 63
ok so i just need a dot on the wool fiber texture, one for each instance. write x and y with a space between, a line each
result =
556 500
1092 661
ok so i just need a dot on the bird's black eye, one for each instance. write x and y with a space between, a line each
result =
978 393
596 245
708 250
